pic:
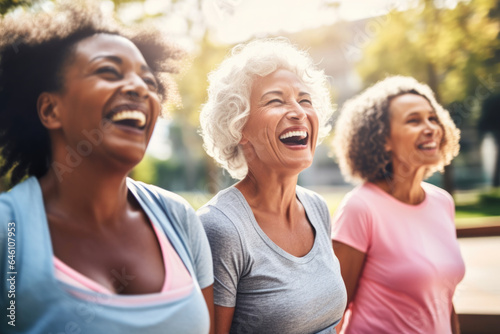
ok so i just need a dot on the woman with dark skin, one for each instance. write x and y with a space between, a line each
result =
78 104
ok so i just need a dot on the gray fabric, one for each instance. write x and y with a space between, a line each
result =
272 291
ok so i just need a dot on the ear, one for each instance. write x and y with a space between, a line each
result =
243 140
48 111
388 145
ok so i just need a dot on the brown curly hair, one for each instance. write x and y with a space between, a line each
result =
364 125
34 50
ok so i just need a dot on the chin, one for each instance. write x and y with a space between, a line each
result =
299 167
127 159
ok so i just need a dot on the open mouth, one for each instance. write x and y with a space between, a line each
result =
428 146
294 138
131 118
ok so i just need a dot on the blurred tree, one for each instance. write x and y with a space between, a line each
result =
451 49
193 89
146 170
6 5
489 122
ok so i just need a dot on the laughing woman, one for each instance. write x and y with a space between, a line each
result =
395 234
91 251
275 271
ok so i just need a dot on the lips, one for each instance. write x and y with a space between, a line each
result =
428 146
128 115
294 137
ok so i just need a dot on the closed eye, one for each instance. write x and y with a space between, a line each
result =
108 70
434 119
274 101
306 101
151 83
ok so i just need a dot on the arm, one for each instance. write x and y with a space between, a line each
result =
228 261
455 325
351 265
223 319
208 294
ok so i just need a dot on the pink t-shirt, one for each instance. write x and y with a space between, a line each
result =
413 262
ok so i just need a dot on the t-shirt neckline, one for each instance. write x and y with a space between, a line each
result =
271 244
50 250
397 201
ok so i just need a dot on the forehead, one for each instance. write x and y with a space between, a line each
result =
405 104
108 45
278 80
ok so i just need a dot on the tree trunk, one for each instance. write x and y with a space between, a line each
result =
448 183
496 170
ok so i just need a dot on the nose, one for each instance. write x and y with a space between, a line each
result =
135 88
296 112
431 128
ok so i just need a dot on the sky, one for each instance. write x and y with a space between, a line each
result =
236 21
233 21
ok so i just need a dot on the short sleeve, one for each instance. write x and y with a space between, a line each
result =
227 254
352 224
443 197
451 205
182 215
201 250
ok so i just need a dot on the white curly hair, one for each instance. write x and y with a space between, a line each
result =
227 109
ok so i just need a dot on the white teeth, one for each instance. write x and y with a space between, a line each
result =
301 134
429 145
132 115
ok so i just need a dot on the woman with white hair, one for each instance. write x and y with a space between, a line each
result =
275 271
395 234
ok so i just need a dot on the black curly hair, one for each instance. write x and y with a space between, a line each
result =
363 127
34 50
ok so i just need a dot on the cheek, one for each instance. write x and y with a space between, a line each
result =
314 120
440 133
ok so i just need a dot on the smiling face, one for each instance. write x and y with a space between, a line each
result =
416 134
109 94
282 128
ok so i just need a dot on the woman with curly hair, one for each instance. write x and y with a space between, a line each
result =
395 235
274 267
82 247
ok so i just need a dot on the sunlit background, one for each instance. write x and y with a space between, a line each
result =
451 45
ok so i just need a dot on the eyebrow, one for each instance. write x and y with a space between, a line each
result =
418 113
277 92
119 61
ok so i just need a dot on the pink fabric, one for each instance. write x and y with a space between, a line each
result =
178 282
413 261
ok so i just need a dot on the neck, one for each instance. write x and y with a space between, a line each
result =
270 193
405 185
84 195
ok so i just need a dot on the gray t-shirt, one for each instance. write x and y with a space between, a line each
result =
271 290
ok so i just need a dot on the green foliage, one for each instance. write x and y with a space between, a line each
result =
193 84
486 205
491 198
6 5
146 171
450 49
